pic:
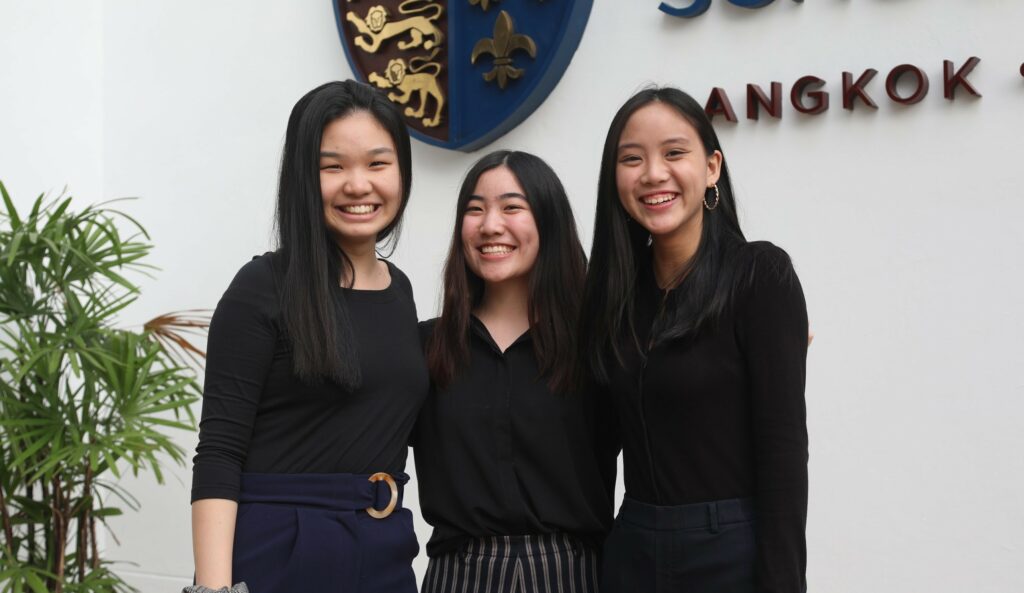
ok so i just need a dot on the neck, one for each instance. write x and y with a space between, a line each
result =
365 265
505 311
506 301
673 252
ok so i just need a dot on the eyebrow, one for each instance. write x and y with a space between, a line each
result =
676 140
505 196
331 154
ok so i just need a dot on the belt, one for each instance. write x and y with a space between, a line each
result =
379 494
687 516
321 503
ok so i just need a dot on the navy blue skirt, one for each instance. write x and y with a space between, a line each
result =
311 532
699 548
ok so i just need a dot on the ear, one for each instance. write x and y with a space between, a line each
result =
714 167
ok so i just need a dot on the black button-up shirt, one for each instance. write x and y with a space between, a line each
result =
497 453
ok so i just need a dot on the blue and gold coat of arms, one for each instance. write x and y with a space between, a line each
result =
464 72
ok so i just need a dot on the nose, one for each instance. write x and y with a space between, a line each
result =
356 183
655 172
492 223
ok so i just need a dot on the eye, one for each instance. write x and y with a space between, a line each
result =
629 159
379 164
676 152
473 209
335 167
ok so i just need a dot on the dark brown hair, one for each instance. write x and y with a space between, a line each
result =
556 281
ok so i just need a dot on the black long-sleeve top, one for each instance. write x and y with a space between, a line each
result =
722 415
497 453
259 417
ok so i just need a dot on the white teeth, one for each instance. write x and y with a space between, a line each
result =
358 209
658 199
496 249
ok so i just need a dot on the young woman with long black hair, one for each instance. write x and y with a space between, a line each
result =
701 339
315 372
509 477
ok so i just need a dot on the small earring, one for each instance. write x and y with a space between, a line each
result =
717 197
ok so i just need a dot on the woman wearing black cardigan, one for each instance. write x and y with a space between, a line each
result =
700 338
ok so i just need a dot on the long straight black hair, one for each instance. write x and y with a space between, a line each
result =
620 250
314 310
556 281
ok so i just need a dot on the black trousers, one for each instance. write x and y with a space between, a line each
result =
549 563
699 548
311 532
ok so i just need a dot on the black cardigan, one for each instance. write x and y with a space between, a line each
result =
722 415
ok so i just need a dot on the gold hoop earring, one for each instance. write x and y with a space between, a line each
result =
717 198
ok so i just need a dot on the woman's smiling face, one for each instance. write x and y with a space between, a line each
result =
499 235
662 171
359 179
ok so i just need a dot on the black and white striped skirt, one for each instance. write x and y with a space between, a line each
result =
550 563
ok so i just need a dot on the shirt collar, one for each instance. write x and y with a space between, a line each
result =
479 330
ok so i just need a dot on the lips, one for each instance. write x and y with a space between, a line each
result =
358 209
656 199
495 249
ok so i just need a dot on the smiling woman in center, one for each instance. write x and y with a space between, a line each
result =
506 444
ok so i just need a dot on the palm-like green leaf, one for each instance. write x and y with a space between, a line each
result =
79 398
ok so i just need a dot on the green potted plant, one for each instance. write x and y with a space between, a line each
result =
81 399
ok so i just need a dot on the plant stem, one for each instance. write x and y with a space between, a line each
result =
30 491
8 531
91 532
60 534
80 547
92 542
48 535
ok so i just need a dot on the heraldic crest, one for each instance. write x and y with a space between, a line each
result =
463 72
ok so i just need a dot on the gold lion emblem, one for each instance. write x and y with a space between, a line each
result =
420 76
374 28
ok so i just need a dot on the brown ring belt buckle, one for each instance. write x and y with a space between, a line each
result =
394 496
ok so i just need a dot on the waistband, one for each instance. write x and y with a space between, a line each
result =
523 545
338 492
687 516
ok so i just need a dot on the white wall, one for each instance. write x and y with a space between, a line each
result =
902 223
51 99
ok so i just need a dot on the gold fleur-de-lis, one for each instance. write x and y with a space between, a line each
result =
505 41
